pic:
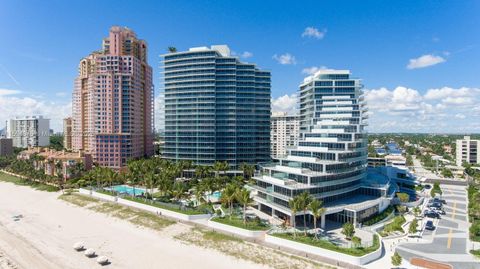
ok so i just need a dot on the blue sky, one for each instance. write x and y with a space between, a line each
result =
419 60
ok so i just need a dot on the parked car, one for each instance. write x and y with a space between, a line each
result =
435 204
429 225
427 186
438 210
438 200
431 214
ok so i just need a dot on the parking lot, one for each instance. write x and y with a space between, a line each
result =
448 242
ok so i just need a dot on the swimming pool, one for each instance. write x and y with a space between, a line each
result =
127 189
216 195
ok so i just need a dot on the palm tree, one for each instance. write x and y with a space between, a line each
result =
172 49
248 170
110 176
150 181
317 210
243 197
305 199
178 191
203 171
209 185
228 196
220 167
295 206
164 183
199 193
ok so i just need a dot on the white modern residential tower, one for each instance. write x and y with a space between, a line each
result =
330 161
284 131
30 131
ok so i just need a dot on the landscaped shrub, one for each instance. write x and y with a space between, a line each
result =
379 217
395 225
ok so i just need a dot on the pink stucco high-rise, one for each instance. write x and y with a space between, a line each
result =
113 101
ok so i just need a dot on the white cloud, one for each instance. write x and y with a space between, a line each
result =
285 59
444 110
312 70
314 32
246 54
425 61
11 107
8 92
444 92
286 103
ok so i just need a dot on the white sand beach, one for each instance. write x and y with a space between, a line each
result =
43 238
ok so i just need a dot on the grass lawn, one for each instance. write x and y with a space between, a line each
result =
310 240
218 237
22 182
394 226
476 253
251 225
175 208
77 199
134 216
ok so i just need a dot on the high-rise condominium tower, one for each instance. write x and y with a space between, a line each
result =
113 101
330 161
216 108
283 133
29 131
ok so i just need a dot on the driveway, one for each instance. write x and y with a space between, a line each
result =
448 242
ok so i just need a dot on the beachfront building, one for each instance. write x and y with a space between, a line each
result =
217 108
284 132
6 146
395 168
55 163
113 101
29 131
67 133
330 160
468 151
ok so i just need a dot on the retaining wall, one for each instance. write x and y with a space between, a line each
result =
325 252
149 208
236 230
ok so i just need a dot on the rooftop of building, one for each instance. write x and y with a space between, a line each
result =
35 117
321 72
54 154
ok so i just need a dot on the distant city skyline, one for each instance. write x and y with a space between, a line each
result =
418 60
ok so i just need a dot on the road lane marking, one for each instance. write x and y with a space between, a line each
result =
454 209
449 241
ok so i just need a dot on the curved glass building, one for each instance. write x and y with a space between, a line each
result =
330 161
217 108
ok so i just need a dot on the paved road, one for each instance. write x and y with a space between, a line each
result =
448 243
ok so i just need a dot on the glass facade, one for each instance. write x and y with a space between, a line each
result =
330 160
216 108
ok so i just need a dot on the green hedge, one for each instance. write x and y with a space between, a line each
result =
322 243
379 217
252 225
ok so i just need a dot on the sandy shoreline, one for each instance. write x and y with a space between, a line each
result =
43 238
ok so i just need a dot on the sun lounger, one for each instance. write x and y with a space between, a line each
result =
79 246
102 260
90 252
